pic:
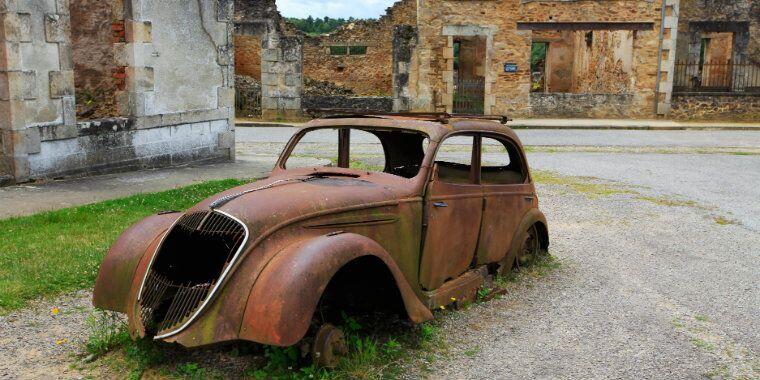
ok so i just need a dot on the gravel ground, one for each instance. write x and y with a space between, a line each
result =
644 291
38 343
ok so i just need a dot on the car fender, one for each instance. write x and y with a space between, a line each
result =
285 295
531 217
117 271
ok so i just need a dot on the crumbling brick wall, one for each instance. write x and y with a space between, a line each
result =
248 56
366 74
94 25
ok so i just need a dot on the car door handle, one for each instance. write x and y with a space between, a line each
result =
440 204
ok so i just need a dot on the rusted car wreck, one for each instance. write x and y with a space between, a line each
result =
450 203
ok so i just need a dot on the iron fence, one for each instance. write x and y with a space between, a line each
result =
469 96
721 77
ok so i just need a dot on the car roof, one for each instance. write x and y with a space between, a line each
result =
434 127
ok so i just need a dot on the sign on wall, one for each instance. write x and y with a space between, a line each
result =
510 67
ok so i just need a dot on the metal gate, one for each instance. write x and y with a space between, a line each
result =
469 96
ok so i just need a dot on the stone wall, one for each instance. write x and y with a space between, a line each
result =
371 103
561 105
507 26
711 106
174 93
367 74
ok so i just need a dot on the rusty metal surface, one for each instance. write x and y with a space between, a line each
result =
118 268
306 224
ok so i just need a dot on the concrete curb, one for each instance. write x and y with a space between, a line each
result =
577 125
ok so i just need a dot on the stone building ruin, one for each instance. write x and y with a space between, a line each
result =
93 86
532 58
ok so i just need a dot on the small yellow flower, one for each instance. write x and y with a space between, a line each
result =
443 307
61 341
55 311
453 299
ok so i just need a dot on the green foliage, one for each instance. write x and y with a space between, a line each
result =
538 52
60 251
107 331
483 294
316 26
191 370
141 355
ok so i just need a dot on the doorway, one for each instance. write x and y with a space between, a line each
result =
469 75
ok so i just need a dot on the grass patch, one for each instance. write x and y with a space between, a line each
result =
59 251
702 318
699 343
723 221
590 187
668 202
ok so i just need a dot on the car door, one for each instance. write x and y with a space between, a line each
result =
507 195
453 207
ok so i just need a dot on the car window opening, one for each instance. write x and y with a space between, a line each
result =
400 153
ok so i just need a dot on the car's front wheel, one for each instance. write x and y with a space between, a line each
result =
329 346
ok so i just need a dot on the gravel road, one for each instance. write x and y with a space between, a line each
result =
644 291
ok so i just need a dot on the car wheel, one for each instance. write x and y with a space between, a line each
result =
530 247
329 346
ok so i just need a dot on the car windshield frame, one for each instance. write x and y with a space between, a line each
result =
344 143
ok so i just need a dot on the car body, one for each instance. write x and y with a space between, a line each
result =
255 262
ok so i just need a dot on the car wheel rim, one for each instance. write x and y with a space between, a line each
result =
329 346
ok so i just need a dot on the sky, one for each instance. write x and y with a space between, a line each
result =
334 8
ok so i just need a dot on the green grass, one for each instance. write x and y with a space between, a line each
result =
591 187
60 251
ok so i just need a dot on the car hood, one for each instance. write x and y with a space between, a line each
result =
281 200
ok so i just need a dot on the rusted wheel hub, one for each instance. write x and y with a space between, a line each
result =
329 346
529 249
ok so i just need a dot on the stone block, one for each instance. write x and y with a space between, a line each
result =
8 6
61 83
171 119
268 79
139 31
57 28
226 55
12 116
226 140
268 103
225 9
295 80
141 79
226 97
29 85
289 103
69 111
65 56
12 56
62 7
270 55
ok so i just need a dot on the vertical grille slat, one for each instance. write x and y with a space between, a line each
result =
189 263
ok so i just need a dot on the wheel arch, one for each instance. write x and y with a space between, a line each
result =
117 270
531 218
285 296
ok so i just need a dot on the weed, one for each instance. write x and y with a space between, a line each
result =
591 187
678 323
702 318
669 202
483 294
699 343
723 221
472 352
191 371
107 331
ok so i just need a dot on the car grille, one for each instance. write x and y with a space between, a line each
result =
188 267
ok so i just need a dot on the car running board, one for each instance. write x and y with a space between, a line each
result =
461 290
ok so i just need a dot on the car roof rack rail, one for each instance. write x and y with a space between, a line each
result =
443 117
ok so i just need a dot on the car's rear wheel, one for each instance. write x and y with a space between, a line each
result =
329 346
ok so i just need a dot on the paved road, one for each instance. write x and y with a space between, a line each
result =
571 137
